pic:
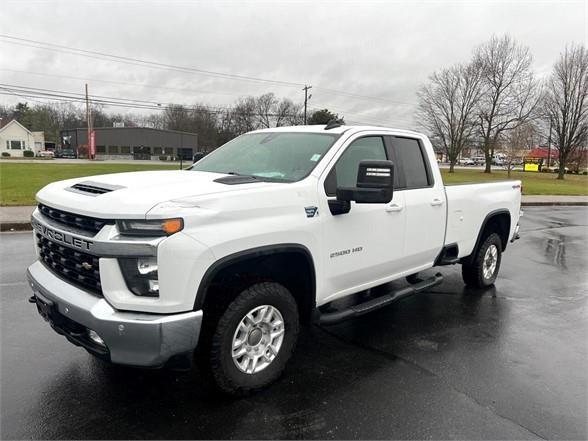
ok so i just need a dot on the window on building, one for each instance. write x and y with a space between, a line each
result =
113 150
15 145
412 161
125 150
157 150
100 149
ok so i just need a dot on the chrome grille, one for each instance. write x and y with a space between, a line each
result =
89 224
80 269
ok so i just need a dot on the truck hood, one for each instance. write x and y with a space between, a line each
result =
132 195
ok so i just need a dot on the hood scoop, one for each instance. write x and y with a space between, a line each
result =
237 179
90 188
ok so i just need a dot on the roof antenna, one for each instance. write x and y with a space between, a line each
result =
333 123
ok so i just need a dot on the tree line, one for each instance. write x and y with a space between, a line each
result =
495 100
214 126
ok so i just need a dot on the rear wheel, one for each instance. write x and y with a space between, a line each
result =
483 270
254 338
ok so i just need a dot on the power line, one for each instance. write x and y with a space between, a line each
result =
63 96
74 97
153 64
124 83
137 61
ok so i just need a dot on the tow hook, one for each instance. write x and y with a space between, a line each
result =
32 299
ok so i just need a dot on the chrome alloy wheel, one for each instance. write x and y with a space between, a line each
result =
490 261
258 339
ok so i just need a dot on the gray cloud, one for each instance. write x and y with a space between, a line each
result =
378 49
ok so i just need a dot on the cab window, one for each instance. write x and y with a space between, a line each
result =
411 160
344 174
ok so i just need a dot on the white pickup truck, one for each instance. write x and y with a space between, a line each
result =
222 261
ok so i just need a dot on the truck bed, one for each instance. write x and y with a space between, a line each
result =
469 204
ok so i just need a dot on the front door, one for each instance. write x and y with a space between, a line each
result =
365 245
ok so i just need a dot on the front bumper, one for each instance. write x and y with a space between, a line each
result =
131 338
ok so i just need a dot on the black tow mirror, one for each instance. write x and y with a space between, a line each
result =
375 181
375 185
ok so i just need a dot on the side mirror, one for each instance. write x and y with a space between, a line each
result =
375 182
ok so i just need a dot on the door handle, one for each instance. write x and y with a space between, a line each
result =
394 208
436 202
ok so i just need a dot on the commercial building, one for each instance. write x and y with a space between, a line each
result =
15 139
132 143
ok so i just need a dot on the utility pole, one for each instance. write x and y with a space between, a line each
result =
549 144
89 122
306 98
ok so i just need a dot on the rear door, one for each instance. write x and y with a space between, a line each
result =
424 201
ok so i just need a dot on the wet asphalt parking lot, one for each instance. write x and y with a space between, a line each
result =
510 362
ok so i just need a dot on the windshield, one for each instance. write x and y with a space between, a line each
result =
279 156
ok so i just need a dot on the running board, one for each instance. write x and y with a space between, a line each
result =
331 318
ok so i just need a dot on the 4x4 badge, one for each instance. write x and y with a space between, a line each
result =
311 211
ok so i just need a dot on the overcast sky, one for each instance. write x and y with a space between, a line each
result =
383 49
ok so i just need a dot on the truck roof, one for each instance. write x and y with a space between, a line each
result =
337 130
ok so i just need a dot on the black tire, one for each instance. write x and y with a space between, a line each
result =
227 376
473 274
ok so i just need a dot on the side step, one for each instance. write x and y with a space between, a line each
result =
331 318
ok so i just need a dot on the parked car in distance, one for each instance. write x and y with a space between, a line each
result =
66 154
479 160
466 161
45 154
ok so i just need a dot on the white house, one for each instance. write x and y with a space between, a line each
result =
16 138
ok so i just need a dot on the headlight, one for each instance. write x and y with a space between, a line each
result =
141 275
159 227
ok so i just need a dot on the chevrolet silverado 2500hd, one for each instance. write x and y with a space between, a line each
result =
222 261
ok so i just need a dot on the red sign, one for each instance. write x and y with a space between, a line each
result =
92 151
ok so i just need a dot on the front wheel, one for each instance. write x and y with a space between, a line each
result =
254 338
483 270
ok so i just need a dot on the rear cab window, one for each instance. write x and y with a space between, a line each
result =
411 165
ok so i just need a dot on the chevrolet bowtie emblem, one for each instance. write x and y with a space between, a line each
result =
86 266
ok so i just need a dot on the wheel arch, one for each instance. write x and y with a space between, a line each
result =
497 221
290 264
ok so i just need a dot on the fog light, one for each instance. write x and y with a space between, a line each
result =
147 266
93 335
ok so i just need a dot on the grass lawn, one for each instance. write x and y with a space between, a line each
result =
19 182
533 183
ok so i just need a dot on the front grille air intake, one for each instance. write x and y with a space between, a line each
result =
85 223
79 268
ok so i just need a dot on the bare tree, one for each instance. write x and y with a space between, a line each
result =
265 106
565 103
510 92
288 113
446 107
205 124
244 115
177 117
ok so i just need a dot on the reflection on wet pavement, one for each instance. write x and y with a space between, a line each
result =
509 362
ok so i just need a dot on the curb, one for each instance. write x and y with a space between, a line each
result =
26 226
554 204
